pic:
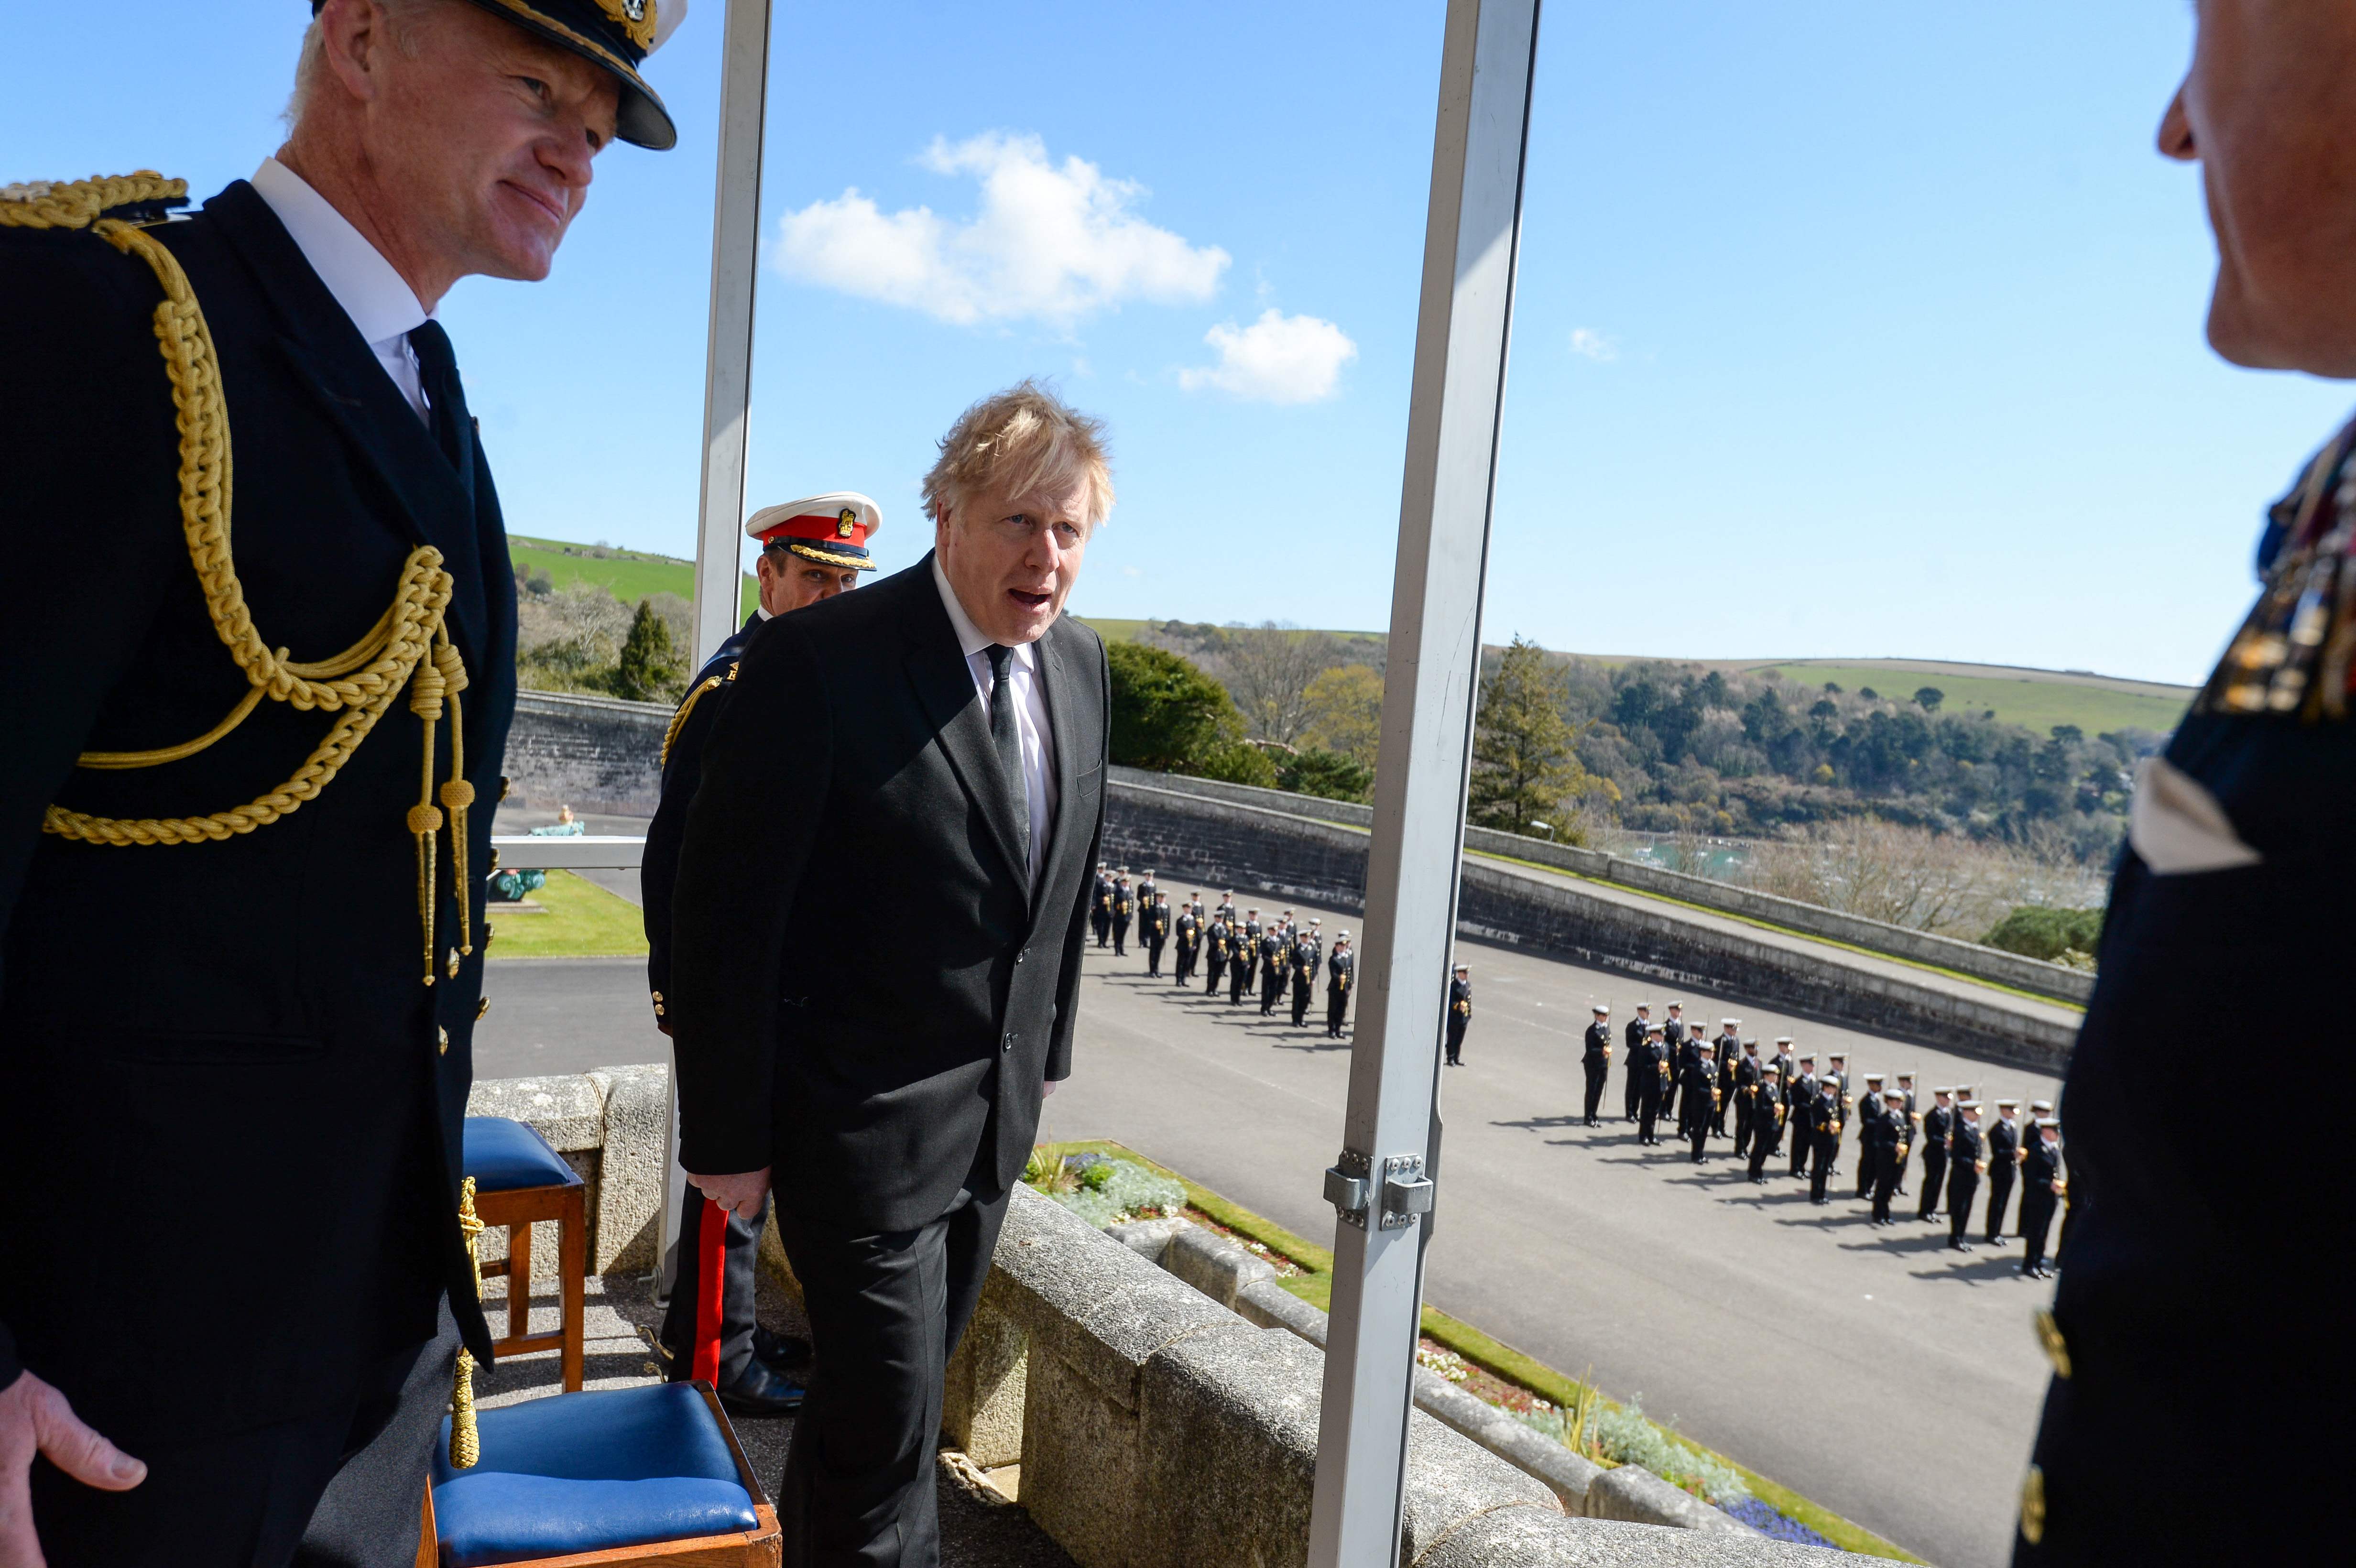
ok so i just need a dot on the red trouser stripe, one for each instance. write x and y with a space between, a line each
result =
710 1271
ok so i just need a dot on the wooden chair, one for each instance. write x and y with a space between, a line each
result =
652 1474
519 1178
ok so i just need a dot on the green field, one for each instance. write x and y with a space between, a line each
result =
582 921
2036 699
629 575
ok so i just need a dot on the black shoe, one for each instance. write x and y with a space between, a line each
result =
783 1351
761 1390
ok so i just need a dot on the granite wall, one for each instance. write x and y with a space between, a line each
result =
592 753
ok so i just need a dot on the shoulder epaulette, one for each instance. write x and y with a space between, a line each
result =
687 705
136 199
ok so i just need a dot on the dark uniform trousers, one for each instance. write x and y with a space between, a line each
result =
2000 1175
1797 1128
1763 1139
1300 996
1934 1172
1828 1149
2036 1206
1598 1071
1963 1187
858 1487
1239 971
1337 1002
1648 1096
1215 967
740 1255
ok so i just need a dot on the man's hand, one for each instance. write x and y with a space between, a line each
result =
738 1194
1048 1087
35 1419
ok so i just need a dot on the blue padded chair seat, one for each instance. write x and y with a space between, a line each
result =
503 1155
583 1472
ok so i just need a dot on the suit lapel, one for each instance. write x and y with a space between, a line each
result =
1062 720
328 357
943 684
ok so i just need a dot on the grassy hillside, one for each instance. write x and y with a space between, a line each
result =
629 575
2036 700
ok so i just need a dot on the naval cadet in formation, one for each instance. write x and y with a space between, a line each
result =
1967 1163
1244 959
1767 1115
811 549
1308 957
1153 930
288 856
1632 1086
1341 972
2042 1184
1595 1061
1186 932
1647 1061
1219 947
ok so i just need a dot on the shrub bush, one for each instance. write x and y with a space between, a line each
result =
2043 931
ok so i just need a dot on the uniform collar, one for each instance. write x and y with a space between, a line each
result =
378 299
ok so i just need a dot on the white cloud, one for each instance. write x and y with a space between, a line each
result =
1589 344
1051 242
1278 358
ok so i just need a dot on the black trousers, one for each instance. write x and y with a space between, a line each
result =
2036 1206
1648 1106
1238 977
1742 1122
1216 968
1183 970
1761 1146
1153 956
1699 1130
1885 1184
1337 1004
1962 1186
1102 922
1120 937
1822 1169
1271 988
368 1518
1999 1199
1596 1073
1803 1141
1865 1168
243 1500
740 1255
1629 1095
886 1313
1457 1024
1934 1172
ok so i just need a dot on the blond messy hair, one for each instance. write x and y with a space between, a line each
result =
1016 442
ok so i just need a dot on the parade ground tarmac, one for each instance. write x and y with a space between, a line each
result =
1873 1371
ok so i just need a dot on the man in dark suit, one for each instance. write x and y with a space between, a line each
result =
811 549
308 932
924 757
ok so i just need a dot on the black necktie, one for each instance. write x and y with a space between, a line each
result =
1008 739
437 372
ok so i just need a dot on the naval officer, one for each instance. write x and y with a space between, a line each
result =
293 850
811 549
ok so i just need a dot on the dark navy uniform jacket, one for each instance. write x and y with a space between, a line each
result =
682 771
235 1032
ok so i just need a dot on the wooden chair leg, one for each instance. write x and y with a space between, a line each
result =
572 1268
518 1280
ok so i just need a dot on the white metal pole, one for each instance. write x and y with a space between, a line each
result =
1381 1187
728 362
727 397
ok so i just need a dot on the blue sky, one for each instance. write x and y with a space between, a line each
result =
1844 329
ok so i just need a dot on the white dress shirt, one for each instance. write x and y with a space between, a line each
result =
378 299
1030 714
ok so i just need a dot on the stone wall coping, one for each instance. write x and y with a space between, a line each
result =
2057 980
527 699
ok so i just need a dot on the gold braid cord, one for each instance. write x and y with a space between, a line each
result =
409 645
465 1443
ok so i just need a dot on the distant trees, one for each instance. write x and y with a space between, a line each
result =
649 668
1928 698
1524 768
1345 712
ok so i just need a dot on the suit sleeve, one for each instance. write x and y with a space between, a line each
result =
1067 981
740 867
659 872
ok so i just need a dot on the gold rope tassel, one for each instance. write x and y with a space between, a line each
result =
458 794
465 1441
425 817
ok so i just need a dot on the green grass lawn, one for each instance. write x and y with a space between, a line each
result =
629 575
584 920
2037 704
1315 1284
